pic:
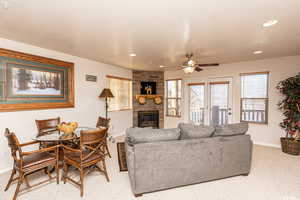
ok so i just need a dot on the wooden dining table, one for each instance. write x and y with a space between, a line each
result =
56 138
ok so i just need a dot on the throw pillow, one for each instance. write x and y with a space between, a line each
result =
190 131
134 136
231 129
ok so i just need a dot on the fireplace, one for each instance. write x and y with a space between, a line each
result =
148 118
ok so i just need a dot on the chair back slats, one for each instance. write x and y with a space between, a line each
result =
47 126
92 142
103 122
92 136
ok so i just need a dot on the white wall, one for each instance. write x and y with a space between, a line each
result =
87 104
280 68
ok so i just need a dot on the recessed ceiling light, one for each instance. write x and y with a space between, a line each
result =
270 23
161 66
4 4
257 52
132 54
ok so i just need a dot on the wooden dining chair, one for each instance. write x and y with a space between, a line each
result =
88 156
46 126
26 163
104 123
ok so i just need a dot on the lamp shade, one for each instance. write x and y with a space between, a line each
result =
106 93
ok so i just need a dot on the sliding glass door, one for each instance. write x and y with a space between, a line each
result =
210 102
196 106
220 102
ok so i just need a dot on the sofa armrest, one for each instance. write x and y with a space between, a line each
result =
130 159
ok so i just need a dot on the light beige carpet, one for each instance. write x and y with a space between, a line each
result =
274 176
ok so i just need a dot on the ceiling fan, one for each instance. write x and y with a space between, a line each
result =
190 65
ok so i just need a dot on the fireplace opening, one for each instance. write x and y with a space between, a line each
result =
148 119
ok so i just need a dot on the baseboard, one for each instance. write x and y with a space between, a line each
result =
5 170
267 144
119 134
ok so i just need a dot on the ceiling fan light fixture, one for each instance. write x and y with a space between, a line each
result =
191 63
258 52
270 23
4 4
188 69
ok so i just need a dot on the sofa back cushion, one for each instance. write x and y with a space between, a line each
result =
190 131
231 129
145 135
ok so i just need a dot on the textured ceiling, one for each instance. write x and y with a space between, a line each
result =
159 32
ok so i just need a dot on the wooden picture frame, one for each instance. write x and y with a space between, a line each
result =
29 82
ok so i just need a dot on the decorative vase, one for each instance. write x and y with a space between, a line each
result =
68 129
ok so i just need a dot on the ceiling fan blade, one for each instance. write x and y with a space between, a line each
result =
172 68
208 65
198 69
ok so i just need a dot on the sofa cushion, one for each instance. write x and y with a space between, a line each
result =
145 135
136 130
190 131
231 129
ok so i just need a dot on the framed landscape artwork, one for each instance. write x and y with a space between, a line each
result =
29 82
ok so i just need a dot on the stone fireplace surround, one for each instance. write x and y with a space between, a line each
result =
155 76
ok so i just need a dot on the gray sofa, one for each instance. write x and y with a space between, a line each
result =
159 159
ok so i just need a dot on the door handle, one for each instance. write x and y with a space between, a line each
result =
229 113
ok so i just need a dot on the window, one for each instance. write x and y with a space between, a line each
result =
254 97
173 88
121 88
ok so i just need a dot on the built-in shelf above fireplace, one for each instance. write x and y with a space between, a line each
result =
142 99
148 96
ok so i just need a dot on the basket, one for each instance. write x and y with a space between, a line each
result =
290 146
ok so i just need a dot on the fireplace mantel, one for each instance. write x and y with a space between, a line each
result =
142 99
148 96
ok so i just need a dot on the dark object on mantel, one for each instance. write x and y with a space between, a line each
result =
148 88
148 119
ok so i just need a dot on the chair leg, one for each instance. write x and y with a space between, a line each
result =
57 173
106 147
10 179
48 173
26 181
104 170
138 195
65 174
81 182
20 181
